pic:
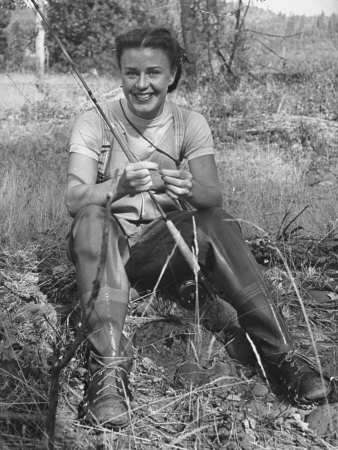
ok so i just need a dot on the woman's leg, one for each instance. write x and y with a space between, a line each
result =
236 273
225 255
105 315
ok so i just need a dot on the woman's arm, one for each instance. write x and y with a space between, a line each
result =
82 190
200 186
81 187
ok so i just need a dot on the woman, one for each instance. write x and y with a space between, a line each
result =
160 135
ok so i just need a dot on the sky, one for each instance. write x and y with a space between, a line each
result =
300 7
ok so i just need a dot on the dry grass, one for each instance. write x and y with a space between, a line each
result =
167 413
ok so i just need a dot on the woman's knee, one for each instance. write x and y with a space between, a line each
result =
90 213
88 229
214 218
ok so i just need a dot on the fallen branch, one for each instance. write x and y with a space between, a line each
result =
263 125
8 416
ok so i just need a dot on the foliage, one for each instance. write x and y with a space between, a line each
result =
6 49
16 38
224 40
12 4
88 29
19 44
225 43
4 21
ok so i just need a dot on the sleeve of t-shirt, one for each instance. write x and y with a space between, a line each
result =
86 137
198 139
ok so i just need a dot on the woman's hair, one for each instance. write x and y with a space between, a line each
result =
160 38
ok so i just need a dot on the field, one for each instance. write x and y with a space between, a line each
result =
276 140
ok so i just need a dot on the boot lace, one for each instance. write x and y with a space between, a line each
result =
109 379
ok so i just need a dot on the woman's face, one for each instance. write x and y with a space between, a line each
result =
146 75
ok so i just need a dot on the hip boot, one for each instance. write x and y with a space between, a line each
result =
236 273
109 363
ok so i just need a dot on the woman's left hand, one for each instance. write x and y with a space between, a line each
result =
178 183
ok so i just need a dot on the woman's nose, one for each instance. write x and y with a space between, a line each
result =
142 81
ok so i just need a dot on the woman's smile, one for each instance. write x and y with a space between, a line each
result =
143 97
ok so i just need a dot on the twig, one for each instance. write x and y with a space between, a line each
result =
329 233
153 293
63 361
21 417
233 12
17 87
273 35
270 50
221 55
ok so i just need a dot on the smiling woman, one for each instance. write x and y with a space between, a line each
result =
160 134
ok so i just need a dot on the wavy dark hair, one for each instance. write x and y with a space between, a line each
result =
160 38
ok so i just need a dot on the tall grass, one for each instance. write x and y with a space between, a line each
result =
261 181
261 185
32 181
37 116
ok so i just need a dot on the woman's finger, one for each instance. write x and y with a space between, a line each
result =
178 191
137 174
140 181
180 182
142 165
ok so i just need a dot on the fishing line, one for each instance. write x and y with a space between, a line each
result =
17 87
145 137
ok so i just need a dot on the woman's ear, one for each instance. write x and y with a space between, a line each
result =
172 76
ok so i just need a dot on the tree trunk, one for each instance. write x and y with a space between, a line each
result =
187 26
40 44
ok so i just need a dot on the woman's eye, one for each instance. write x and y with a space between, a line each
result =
130 73
154 73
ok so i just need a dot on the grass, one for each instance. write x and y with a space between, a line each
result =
266 182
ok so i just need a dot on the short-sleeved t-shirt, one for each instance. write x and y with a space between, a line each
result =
91 136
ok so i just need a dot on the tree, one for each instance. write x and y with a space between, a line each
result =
188 29
88 29
6 6
19 35
5 16
40 42
214 30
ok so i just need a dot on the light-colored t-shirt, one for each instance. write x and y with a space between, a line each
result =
91 136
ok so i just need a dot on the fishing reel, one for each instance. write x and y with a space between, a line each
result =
189 293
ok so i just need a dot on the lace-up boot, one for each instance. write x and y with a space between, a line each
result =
298 377
109 362
107 392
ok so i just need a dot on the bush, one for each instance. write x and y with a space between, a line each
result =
19 42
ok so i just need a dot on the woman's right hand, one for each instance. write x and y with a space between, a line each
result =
136 178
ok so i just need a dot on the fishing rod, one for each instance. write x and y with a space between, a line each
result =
178 239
